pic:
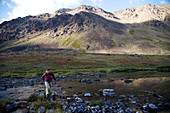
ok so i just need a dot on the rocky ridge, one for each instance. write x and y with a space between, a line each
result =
144 13
91 30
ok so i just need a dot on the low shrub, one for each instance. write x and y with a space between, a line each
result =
131 32
3 104
33 97
103 71
95 103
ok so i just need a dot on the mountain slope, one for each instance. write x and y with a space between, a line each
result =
144 13
86 31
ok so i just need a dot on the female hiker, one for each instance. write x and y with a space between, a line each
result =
48 75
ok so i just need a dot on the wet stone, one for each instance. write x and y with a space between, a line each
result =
11 107
122 96
152 106
3 88
41 110
87 95
57 85
63 96
131 96
128 110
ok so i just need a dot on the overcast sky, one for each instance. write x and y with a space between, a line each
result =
10 9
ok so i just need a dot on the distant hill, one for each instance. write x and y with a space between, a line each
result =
91 30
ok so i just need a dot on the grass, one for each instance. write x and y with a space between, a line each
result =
95 103
148 39
47 105
3 104
131 32
30 64
78 45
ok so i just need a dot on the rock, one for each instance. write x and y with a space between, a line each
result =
133 102
64 107
87 102
128 110
87 95
83 80
70 87
70 99
161 106
53 96
89 81
120 100
11 107
96 79
79 93
31 111
112 80
57 85
50 111
167 105
3 88
152 106
29 103
63 96
79 100
97 94
131 96
108 92
62 77
41 110
75 96
61 88
122 96
41 94
128 81
156 95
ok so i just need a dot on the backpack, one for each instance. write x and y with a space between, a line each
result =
48 77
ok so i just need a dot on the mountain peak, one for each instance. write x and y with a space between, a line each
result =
143 13
93 30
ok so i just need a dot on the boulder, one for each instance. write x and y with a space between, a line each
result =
79 100
83 80
128 110
11 107
133 102
41 110
3 88
122 96
87 95
63 96
75 96
108 92
152 106
31 111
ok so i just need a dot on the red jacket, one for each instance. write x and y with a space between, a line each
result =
48 77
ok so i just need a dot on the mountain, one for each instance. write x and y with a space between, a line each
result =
144 13
90 9
89 29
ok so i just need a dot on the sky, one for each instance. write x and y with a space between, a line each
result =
11 9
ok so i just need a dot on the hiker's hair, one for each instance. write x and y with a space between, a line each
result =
48 70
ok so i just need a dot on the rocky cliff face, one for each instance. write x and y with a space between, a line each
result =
91 29
143 13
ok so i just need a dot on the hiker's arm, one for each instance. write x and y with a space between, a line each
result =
53 76
43 77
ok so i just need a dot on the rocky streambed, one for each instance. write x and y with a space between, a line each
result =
83 93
